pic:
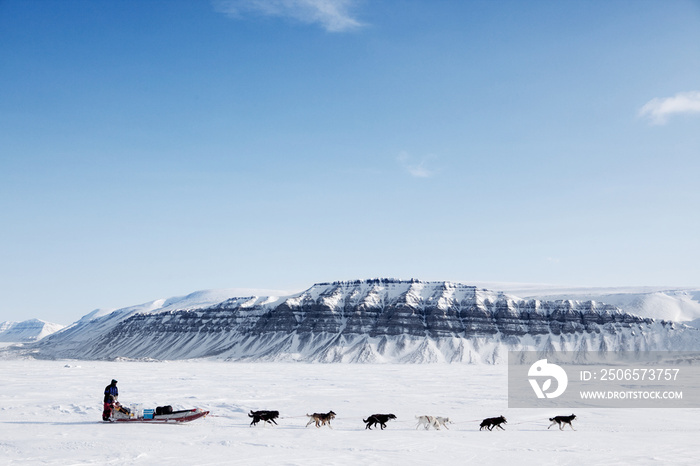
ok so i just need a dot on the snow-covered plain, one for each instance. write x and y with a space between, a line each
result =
50 414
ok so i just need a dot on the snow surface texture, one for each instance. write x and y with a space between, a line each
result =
50 414
29 330
370 321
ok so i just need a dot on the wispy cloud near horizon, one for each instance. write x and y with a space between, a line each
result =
416 168
332 15
658 110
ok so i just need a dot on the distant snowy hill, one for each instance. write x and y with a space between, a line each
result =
27 331
677 304
5 325
380 320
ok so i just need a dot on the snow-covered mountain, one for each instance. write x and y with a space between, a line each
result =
27 331
676 305
5 325
380 320
667 303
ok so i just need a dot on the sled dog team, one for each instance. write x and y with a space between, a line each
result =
322 419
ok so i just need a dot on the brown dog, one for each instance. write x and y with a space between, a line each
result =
321 419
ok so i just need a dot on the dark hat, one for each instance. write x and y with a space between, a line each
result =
114 381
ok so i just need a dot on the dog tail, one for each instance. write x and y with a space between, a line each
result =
551 419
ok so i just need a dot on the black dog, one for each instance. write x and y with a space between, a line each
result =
267 416
492 422
380 419
562 421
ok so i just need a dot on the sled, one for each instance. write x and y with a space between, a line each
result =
121 414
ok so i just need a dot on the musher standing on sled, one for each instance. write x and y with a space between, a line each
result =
111 394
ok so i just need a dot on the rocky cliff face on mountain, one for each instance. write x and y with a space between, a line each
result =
367 321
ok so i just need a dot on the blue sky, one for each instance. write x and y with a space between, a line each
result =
151 149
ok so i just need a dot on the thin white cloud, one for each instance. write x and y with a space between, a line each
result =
659 110
416 168
332 15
